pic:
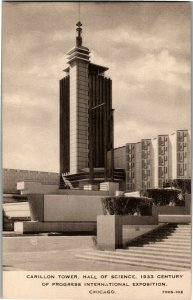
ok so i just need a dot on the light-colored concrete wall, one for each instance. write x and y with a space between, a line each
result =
73 119
65 208
109 232
133 232
111 187
78 115
83 100
30 187
14 210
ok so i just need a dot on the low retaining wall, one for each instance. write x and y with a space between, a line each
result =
110 229
133 232
30 187
14 210
59 208
65 208
140 220
169 210
180 219
174 210
36 227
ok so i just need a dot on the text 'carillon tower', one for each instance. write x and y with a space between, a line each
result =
86 117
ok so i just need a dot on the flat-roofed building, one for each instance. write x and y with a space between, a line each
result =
180 143
152 162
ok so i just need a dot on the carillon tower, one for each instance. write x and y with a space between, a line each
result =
86 116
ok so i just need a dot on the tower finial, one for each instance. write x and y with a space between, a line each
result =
79 37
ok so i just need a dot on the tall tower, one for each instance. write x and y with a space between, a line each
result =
86 114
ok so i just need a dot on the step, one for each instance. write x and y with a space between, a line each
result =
141 256
171 246
168 238
178 238
168 246
170 234
158 253
172 242
164 248
168 231
160 246
165 240
184 225
132 263
181 229
164 251
182 238
144 259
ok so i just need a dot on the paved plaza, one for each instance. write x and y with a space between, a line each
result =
52 253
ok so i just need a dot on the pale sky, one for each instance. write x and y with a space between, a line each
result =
145 45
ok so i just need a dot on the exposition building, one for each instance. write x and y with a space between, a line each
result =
152 163
86 121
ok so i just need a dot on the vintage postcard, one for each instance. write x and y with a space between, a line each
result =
96 100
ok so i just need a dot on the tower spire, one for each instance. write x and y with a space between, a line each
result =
79 37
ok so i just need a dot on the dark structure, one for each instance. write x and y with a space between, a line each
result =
100 120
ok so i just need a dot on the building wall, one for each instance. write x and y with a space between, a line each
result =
100 93
12 176
130 167
172 156
78 116
182 153
163 159
119 157
65 125
85 105
150 163
146 154
154 162
138 167
133 167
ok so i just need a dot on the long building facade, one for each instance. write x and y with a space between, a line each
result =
152 162
12 176
86 115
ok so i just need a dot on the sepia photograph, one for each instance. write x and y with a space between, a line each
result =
96 134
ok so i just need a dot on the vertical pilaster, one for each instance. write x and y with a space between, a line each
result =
78 116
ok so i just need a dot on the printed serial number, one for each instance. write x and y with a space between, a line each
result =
172 292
